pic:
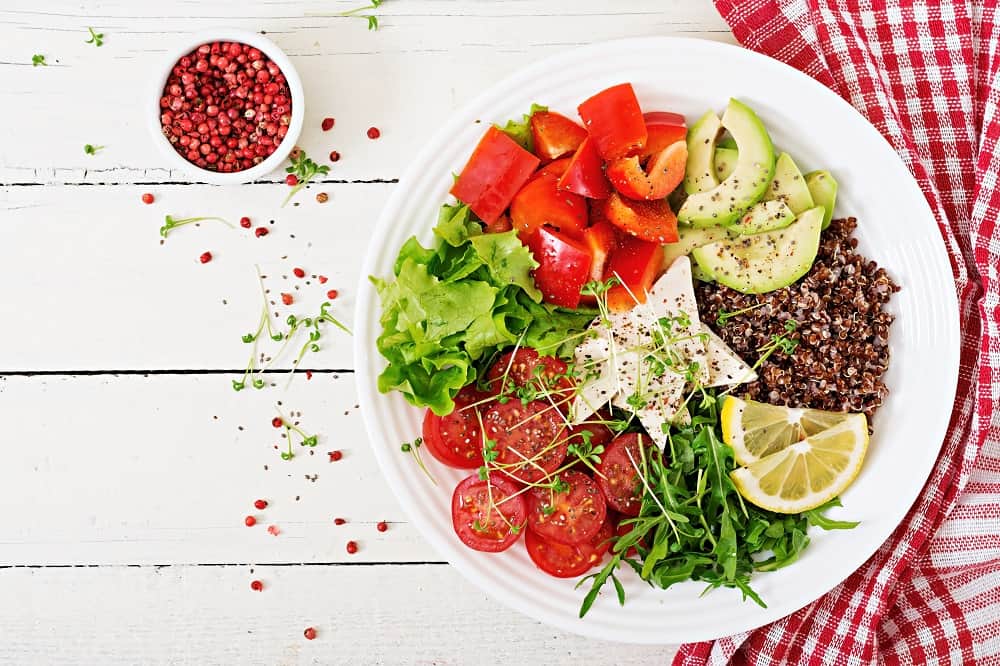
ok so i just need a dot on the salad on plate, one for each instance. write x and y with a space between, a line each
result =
651 346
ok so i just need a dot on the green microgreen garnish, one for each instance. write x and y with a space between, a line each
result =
96 38
372 20
413 448
292 428
171 223
726 315
90 148
304 169
38 59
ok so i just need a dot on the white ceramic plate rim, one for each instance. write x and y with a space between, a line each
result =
826 565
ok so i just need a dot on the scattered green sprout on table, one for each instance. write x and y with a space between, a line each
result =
96 38
38 59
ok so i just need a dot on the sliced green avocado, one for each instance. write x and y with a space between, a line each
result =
748 183
725 162
765 216
726 142
823 189
768 261
698 176
790 186
690 238
700 274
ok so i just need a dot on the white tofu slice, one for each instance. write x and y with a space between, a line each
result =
725 368
672 295
594 394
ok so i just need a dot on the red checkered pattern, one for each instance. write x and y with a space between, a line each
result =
927 75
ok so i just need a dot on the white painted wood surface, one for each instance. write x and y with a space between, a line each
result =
125 476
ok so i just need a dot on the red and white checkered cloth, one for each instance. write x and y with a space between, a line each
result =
927 75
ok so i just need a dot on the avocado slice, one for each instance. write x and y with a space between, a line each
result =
765 216
699 176
726 142
700 274
790 186
725 162
748 183
823 189
691 238
768 261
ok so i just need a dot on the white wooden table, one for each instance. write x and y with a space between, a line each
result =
128 461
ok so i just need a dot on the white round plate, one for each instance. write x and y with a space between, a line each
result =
896 228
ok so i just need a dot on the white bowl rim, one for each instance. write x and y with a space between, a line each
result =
272 51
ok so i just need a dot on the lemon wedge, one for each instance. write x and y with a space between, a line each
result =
808 473
755 430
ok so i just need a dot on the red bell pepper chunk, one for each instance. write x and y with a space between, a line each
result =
493 175
555 135
541 202
663 128
585 173
563 266
649 220
614 121
637 264
602 240
663 172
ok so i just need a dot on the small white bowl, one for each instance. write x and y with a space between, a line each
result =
274 160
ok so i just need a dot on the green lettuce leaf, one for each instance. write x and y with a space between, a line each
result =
520 131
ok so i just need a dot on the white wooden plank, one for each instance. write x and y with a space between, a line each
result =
429 57
209 615
157 470
88 285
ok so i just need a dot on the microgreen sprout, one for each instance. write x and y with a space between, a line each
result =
292 428
90 148
726 315
372 20
96 38
413 448
171 223
304 169
38 59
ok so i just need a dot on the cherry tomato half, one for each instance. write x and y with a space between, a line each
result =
555 135
563 266
456 439
571 517
649 220
617 475
563 561
483 514
540 202
530 439
614 121
497 169
525 367
637 263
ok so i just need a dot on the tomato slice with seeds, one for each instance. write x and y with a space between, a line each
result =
456 439
530 438
525 367
565 561
617 476
488 516
573 516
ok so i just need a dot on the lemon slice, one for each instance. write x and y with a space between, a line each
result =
755 429
809 473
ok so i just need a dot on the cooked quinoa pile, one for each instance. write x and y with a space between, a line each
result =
842 329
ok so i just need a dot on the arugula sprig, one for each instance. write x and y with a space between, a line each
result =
304 169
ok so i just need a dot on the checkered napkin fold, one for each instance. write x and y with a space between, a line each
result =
927 75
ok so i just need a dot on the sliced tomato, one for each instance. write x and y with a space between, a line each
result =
540 202
617 475
585 173
573 516
497 169
637 263
530 438
662 129
483 514
614 121
648 220
456 439
563 561
602 239
525 367
663 173
557 168
555 135
500 225
563 266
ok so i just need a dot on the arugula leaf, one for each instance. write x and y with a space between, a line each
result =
520 131
816 517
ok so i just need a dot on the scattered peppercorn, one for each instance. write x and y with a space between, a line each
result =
309 374
298 272
273 530
327 124
339 521
148 198
260 504
335 455
250 521
322 279
309 633
332 294
352 547
382 526
291 180
334 156
260 231
256 585
277 422
287 299
205 257
245 222
374 133
322 197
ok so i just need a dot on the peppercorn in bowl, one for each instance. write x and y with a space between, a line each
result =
228 107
